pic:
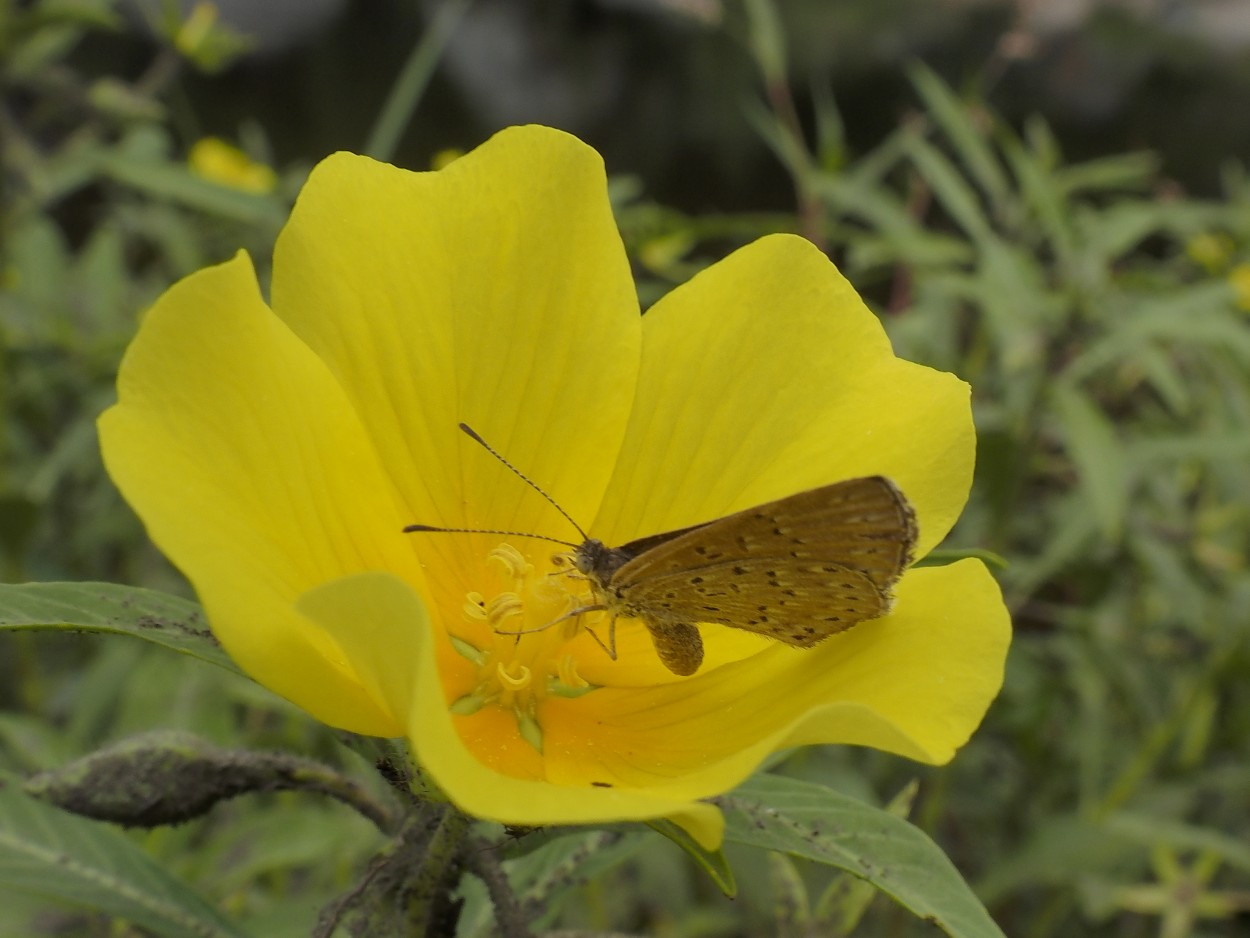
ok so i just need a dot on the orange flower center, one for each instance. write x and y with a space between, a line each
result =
530 620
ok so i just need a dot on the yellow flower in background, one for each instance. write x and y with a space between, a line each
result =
1210 250
445 157
195 31
276 451
1239 279
214 159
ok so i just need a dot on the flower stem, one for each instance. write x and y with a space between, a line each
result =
430 911
509 916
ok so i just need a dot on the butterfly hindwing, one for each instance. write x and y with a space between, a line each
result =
798 603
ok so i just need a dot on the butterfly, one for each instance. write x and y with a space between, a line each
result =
797 569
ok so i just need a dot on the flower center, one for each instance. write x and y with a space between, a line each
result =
528 624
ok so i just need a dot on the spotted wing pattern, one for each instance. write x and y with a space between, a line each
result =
798 569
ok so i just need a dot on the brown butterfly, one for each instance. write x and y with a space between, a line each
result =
797 569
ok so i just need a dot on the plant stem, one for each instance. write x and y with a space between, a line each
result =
412 81
430 912
509 916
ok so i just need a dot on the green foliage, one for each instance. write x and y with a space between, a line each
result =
55 855
1100 315
810 821
109 608
100 212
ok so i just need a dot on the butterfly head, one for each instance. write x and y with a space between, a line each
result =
598 561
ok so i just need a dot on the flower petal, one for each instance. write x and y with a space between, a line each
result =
766 375
245 461
495 292
394 616
916 682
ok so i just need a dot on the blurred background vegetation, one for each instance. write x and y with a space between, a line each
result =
1048 199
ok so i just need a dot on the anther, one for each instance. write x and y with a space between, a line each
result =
513 562
514 682
503 607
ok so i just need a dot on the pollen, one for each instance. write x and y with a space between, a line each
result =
518 634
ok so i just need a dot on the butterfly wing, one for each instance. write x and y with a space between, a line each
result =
797 569
796 603
862 524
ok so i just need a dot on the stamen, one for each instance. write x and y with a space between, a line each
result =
518 648
566 673
475 606
514 682
503 607
513 562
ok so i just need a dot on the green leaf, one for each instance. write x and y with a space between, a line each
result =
815 823
61 858
845 901
1044 198
1058 849
175 623
171 182
1150 831
1132 171
713 862
954 117
1092 442
949 187
902 236
767 39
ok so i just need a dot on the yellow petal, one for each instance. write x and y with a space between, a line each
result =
916 682
245 461
766 375
375 614
495 292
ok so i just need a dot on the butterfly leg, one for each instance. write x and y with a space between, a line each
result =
571 614
609 648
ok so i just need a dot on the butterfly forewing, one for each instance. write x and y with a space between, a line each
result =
796 569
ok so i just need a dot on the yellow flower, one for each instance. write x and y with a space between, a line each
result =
195 31
213 158
276 451
1210 250
445 157
1239 280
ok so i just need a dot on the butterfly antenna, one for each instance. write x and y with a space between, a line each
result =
429 528
528 481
